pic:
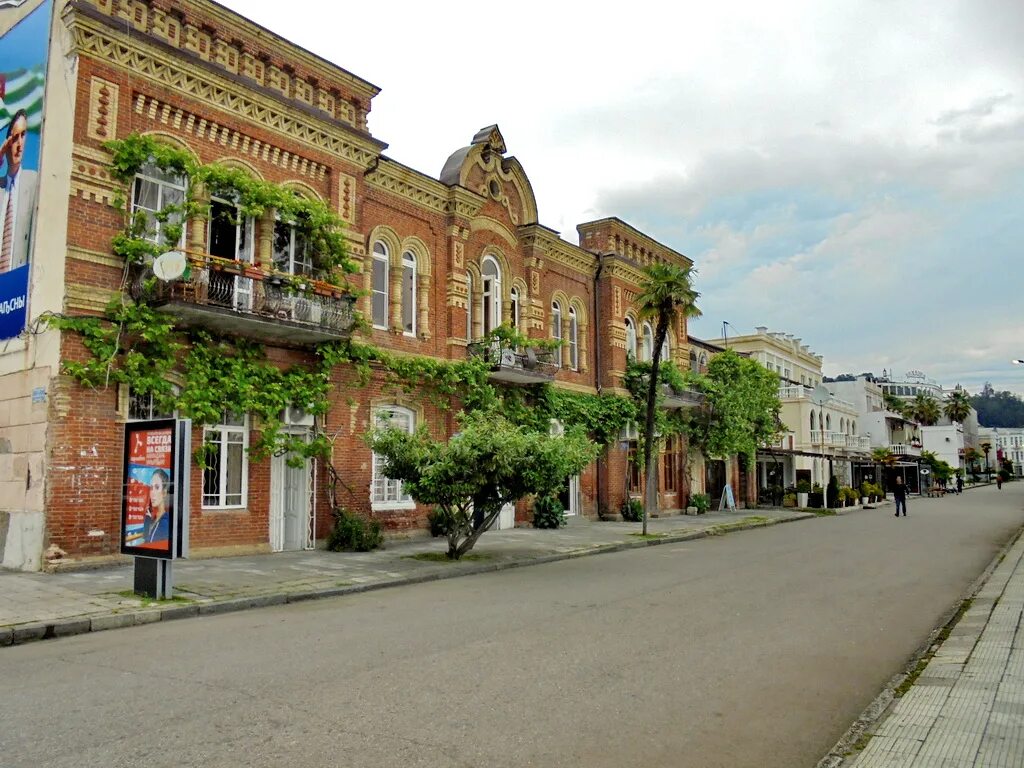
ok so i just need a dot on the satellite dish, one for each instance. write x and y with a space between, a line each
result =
821 394
170 266
925 471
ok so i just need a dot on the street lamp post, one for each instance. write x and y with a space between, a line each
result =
821 396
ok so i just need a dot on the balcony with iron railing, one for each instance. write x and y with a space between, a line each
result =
236 298
514 364
797 392
839 440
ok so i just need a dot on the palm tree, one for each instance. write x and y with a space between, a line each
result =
665 295
925 410
894 404
884 458
971 456
958 405
986 447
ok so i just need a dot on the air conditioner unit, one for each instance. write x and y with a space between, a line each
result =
297 417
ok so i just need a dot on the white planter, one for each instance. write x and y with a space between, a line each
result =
801 499
864 500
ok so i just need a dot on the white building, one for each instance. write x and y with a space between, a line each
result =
1006 442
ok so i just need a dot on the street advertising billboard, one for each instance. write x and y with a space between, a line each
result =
154 505
23 51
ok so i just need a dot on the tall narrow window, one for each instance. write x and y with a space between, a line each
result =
226 474
514 298
386 492
574 341
666 350
291 251
469 306
408 294
156 191
695 366
647 353
230 236
492 293
556 328
812 421
379 287
630 338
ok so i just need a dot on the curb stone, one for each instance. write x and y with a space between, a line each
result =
43 631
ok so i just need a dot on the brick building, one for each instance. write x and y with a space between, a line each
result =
442 262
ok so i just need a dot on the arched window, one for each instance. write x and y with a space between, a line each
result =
703 361
694 365
828 422
514 299
630 338
821 422
853 428
812 421
556 328
647 351
409 293
842 425
379 287
385 492
574 341
491 273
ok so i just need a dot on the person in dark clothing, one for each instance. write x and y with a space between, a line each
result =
959 484
999 482
899 493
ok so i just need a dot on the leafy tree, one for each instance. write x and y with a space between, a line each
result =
998 409
895 404
941 470
925 409
957 406
884 458
666 294
971 456
490 463
985 448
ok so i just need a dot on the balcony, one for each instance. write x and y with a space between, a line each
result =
905 449
840 440
804 393
511 365
228 297
674 399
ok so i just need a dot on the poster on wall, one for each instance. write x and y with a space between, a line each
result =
23 51
148 519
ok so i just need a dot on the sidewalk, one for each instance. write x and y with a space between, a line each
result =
966 709
38 606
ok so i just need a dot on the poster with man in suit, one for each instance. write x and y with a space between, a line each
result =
23 52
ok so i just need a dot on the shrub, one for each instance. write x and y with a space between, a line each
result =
804 486
352 532
548 512
632 510
701 501
437 524
789 500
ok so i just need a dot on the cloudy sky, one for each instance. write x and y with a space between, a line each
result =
850 172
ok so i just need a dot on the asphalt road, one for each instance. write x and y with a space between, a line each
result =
756 648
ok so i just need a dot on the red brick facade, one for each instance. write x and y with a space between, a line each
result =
233 92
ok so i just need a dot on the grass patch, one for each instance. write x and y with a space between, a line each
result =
441 557
821 512
146 601
754 519
943 635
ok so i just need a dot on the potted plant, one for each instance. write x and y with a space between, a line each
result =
803 489
817 496
701 501
789 500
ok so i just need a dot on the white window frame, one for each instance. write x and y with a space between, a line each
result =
386 493
556 329
491 293
221 434
245 252
151 413
514 300
409 299
164 183
647 345
630 337
574 340
381 259
303 261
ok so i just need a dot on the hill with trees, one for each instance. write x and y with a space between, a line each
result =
998 409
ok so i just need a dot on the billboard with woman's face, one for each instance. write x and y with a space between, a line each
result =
148 515
23 53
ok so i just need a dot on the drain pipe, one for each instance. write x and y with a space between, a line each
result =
598 370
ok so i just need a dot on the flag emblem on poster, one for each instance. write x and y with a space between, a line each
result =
23 89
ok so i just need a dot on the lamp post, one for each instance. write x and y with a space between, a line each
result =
821 396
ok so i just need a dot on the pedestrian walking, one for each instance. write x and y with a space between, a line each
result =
999 482
959 484
899 493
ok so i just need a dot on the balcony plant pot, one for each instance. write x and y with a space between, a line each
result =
864 500
816 499
801 499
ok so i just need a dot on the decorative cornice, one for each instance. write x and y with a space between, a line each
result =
133 54
88 298
464 203
556 249
95 257
621 269
490 225
393 177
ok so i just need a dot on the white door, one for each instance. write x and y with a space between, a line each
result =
506 518
570 496
290 494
